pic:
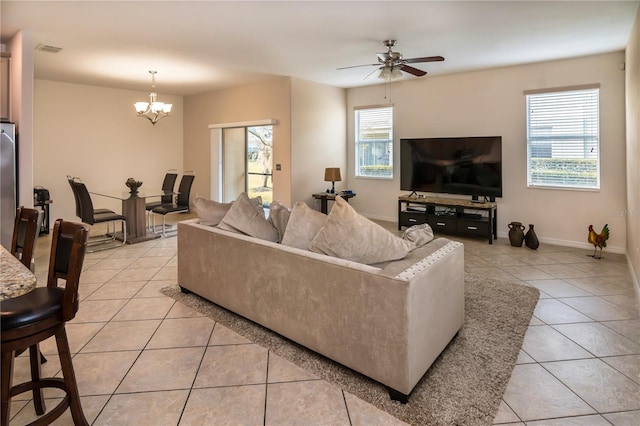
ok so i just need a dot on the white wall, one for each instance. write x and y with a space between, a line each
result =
318 137
21 110
94 133
633 149
491 102
259 101
309 134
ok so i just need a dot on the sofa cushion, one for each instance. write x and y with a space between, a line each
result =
257 201
419 235
349 235
210 212
243 217
304 224
279 217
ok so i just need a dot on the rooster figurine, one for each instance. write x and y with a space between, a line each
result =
598 240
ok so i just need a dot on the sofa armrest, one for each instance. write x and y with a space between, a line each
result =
435 306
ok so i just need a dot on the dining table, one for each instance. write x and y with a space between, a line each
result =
133 209
15 278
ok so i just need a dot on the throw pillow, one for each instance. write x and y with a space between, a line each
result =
279 217
349 235
210 212
419 235
258 203
245 218
304 224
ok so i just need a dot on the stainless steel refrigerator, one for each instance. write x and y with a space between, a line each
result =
8 182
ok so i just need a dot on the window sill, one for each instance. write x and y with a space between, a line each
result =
563 188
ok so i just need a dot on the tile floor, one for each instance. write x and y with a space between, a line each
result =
143 359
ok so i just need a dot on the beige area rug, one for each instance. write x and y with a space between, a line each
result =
464 386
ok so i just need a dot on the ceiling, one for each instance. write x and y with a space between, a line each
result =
199 46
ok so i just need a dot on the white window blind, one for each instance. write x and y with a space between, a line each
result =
563 148
374 142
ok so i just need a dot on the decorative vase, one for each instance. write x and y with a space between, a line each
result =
516 234
531 239
133 185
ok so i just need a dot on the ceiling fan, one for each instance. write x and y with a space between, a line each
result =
390 63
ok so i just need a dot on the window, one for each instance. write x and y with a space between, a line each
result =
563 134
374 142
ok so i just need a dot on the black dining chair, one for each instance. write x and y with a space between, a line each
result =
168 183
181 204
90 216
29 319
77 199
25 234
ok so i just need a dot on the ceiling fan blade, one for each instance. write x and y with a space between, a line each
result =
425 59
372 72
412 70
358 66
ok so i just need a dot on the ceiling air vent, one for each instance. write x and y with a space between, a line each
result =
48 48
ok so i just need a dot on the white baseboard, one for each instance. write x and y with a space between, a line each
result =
634 277
581 245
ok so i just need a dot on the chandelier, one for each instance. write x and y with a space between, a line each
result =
153 110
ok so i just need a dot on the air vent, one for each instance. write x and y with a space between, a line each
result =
48 48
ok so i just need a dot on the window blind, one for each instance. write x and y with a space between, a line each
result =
563 148
374 142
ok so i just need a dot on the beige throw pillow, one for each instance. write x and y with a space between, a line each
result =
210 212
304 224
419 235
245 218
257 201
349 235
279 217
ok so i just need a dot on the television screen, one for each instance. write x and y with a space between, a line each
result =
466 165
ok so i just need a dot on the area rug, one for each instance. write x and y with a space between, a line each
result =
464 386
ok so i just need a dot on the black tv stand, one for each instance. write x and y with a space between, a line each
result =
450 215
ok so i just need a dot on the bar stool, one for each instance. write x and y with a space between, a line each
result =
25 233
35 316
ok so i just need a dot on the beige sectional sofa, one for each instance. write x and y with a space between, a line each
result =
389 323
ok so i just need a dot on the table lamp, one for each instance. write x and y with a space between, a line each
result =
332 174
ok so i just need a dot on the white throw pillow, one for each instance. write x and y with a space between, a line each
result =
304 224
419 235
279 217
245 218
349 235
210 212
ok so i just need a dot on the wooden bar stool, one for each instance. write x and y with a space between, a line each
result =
25 233
35 316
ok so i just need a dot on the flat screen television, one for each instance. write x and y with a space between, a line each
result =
465 165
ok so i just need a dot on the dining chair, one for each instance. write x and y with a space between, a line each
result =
181 204
25 234
33 317
70 179
90 216
168 183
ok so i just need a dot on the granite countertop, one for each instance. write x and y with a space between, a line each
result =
15 278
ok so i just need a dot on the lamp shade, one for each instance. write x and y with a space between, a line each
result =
332 174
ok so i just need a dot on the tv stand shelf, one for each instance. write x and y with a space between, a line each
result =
450 215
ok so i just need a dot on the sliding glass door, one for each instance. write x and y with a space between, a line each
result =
247 164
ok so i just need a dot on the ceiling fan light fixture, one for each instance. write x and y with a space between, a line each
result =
395 73
385 73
